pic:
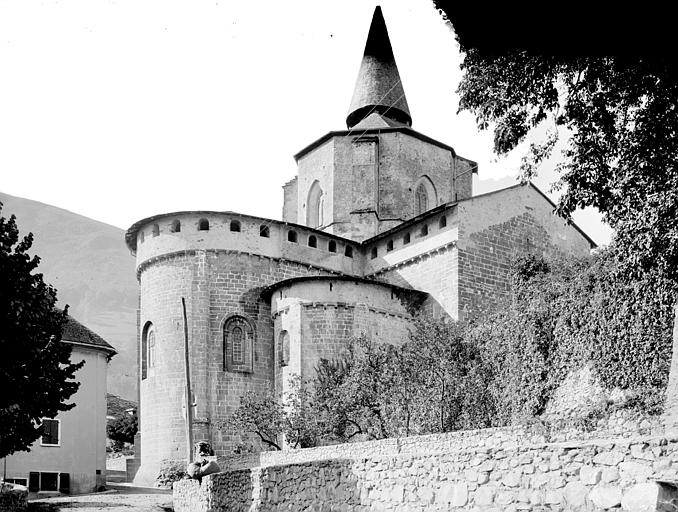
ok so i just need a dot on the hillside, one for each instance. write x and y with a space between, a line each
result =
89 265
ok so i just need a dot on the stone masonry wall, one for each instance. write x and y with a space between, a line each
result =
588 475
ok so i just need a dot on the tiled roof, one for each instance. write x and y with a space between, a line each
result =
75 332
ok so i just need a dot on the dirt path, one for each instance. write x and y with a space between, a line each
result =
124 499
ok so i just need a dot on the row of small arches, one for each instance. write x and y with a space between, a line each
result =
423 231
204 225
312 241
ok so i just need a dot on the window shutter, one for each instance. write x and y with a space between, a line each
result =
33 481
64 483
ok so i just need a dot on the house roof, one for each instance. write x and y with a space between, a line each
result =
76 333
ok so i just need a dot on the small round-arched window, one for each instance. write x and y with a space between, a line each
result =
284 348
147 349
238 345
175 227
203 225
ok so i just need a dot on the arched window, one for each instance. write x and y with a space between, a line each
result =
312 241
175 227
424 230
348 251
292 236
424 195
238 345
443 222
332 246
203 225
389 246
156 230
314 206
406 239
264 231
373 254
235 226
284 348
147 349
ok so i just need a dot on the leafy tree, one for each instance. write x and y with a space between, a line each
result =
35 372
622 151
272 420
122 430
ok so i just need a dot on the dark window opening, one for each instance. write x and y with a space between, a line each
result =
141 237
443 222
48 481
284 348
264 231
332 246
235 226
312 241
147 353
238 345
373 254
203 225
406 239
156 230
424 230
389 246
348 251
50 432
292 236
175 227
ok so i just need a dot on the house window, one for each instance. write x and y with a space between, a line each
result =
373 253
314 206
156 230
46 481
238 345
235 226
312 241
50 432
141 237
17 481
424 230
332 246
147 349
292 236
203 225
175 227
284 348
443 222
348 251
389 246
406 239
264 231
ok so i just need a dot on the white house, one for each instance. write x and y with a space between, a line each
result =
70 456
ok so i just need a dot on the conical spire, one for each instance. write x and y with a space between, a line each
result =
378 88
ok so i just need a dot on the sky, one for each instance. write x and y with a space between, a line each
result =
123 109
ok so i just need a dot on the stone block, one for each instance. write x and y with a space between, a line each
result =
609 458
511 479
606 497
589 475
456 494
609 474
632 470
641 498
575 494
485 495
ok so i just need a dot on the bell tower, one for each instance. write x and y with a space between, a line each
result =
379 172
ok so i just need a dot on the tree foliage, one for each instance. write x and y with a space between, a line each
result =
621 156
35 372
122 430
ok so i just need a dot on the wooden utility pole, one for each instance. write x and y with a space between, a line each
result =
189 394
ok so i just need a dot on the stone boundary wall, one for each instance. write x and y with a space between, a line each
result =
589 475
618 425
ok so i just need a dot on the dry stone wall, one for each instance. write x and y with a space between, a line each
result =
584 475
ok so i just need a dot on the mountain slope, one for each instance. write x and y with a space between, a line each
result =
93 272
